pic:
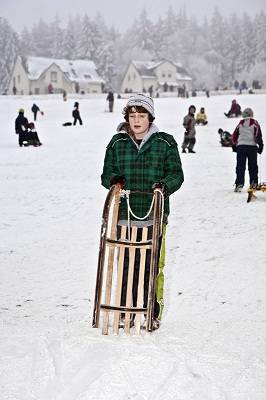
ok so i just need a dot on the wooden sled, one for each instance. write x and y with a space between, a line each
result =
108 311
252 191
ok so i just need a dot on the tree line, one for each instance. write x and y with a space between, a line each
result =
215 52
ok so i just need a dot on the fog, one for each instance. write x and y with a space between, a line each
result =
119 13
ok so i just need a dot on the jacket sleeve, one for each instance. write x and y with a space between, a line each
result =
234 137
173 172
110 168
258 134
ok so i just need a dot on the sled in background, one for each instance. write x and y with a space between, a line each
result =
252 190
108 311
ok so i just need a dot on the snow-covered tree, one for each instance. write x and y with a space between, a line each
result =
260 26
9 45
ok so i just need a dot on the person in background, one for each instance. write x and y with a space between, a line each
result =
76 114
247 142
190 131
64 95
32 136
201 117
35 110
235 110
110 99
142 158
225 138
21 126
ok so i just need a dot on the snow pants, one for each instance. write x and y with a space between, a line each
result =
244 153
188 142
159 287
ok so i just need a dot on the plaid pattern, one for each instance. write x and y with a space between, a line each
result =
157 160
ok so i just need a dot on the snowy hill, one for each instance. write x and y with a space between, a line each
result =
211 345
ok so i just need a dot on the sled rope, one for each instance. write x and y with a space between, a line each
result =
130 212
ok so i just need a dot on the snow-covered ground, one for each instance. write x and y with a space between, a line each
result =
212 341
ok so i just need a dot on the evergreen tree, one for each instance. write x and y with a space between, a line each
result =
9 45
57 35
260 24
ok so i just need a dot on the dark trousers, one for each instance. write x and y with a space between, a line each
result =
111 105
136 274
77 119
244 153
188 143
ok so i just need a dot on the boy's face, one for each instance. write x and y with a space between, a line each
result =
139 123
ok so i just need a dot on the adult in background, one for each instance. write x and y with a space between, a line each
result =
247 142
190 131
110 99
141 158
21 126
35 110
76 114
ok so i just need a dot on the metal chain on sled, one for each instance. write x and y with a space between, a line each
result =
126 193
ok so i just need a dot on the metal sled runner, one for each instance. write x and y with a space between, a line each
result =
114 245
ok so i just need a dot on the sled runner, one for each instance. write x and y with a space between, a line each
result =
117 242
252 190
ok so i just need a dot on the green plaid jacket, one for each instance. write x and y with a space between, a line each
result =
157 160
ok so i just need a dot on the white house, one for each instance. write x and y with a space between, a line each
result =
40 75
155 76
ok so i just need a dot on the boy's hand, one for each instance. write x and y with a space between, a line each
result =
118 180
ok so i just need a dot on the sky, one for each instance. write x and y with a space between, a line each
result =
120 13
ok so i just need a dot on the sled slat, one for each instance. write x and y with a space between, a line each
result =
110 263
129 299
120 265
140 299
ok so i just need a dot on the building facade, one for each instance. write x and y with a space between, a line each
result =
155 77
40 75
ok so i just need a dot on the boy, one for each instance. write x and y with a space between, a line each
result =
190 132
140 158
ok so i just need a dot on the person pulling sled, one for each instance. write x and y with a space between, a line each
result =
247 143
140 159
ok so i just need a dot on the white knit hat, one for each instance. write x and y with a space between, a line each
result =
247 113
141 100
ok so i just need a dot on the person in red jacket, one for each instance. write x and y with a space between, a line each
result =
247 142
235 110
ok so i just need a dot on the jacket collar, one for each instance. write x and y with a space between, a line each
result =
122 128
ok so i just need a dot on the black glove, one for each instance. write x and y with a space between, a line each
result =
260 148
161 186
120 180
186 133
234 148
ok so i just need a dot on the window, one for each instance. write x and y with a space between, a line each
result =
87 76
37 90
169 75
163 74
53 76
18 79
128 78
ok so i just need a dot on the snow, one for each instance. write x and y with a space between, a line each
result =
211 344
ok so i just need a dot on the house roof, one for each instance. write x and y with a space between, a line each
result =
74 70
146 69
